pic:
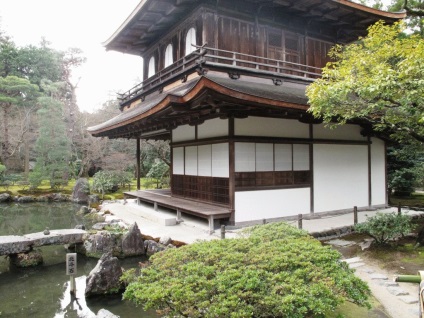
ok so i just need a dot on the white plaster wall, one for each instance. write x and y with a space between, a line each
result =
267 204
244 153
264 157
220 160
204 155
283 157
213 128
191 161
178 160
300 157
378 172
183 133
340 177
344 132
270 127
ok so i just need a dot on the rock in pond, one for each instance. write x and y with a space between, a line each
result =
103 313
105 277
132 242
81 191
5 197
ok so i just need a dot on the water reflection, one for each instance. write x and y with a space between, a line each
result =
43 291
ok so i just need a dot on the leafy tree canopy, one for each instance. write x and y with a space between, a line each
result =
379 79
275 271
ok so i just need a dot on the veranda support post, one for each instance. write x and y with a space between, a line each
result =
137 166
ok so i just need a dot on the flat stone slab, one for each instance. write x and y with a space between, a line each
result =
409 299
378 277
392 284
341 243
397 291
356 265
13 244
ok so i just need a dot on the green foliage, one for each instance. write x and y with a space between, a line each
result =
159 171
402 182
110 181
2 171
53 149
384 227
379 78
35 178
276 271
103 182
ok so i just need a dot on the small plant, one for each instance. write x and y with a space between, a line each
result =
386 227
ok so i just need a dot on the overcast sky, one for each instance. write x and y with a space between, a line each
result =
83 24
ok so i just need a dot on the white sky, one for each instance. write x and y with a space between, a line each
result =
83 24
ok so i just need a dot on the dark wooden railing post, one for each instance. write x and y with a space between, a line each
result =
300 221
399 209
222 232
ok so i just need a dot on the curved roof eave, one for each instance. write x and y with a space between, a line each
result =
292 102
108 44
125 23
354 5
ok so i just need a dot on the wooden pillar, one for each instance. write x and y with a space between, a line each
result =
369 173
231 180
137 166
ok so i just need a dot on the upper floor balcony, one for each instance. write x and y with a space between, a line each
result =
235 64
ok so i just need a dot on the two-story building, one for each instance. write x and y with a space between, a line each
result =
224 81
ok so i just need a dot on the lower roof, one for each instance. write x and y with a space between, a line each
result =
202 98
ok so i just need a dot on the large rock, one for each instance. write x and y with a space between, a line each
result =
99 243
26 199
5 197
81 191
132 242
30 259
105 277
153 247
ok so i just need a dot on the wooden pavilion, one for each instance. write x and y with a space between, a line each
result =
224 82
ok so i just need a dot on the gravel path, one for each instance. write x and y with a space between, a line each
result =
400 300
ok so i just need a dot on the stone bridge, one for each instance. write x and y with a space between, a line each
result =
14 244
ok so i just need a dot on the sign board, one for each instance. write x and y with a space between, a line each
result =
71 264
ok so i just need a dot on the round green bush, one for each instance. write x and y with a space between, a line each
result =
275 271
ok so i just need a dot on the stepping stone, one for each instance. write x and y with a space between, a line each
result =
341 243
368 270
356 265
397 291
409 299
353 260
391 284
378 277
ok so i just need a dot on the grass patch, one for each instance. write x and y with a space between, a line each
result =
415 200
44 189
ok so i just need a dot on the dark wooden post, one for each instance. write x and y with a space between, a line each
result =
222 232
399 209
137 166
300 221
355 215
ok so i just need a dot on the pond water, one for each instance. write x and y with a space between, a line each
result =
44 291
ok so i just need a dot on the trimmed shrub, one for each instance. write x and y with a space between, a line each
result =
276 271
385 227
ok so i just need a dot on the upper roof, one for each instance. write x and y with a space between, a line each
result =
151 19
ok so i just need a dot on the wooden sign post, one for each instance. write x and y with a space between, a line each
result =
71 270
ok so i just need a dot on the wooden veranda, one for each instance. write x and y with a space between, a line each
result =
164 199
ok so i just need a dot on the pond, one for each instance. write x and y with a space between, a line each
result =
44 291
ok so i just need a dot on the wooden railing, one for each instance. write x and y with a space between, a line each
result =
232 62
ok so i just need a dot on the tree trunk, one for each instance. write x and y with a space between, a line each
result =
5 145
26 163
